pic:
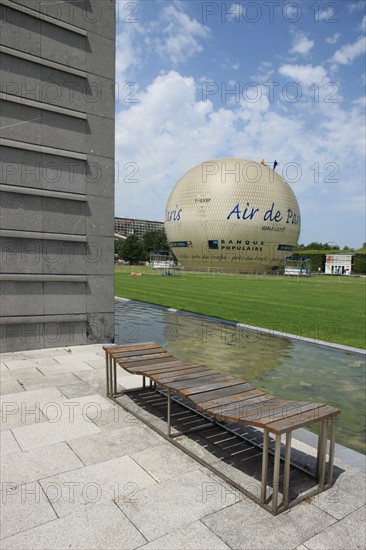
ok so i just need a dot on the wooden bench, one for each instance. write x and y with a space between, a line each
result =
229 399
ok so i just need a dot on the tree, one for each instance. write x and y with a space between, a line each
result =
132 250
118 247
155 240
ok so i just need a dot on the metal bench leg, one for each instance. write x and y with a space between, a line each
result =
264 466
276 473
169 413
286 478
331 450
322 453
107 373
114 387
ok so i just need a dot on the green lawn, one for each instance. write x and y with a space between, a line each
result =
321 307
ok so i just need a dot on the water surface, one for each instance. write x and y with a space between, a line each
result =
289 369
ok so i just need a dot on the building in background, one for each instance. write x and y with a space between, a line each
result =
57 173
130 226
338 264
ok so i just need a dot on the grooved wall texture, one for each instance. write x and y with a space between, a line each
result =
56 173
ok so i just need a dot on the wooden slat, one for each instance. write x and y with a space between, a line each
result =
167 378
253 398
171 366
222 392
299 420
145 363
152 351
282 410
202 381
132 347
244 409
250 392
208 387
132 361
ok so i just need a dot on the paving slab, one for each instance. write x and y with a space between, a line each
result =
117 417
44 352
170 505
120 479
86 350
23 507
94 361
93 526
16 415
22 409
347 494
170 501
10 386
348 533
260 530
88 406
74 365
130 381
195 536
21 374
41 381
15 364
114 443
25 467
41 397
47 433
79 388
164 462
8 444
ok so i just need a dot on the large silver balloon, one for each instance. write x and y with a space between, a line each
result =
232 214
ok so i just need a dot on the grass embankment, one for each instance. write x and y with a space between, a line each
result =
321 307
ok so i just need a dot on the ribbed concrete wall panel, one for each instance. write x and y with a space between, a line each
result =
19 31
21 298
100 256
42 214
100 176
56 173
20 212
64 298
20 124
100 220
97 17
64 46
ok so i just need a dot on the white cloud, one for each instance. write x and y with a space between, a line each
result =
356 6
363 24
348 53
164 135
301 44
305 74
333 39
177 37
171 129
235 12
265 72
128 48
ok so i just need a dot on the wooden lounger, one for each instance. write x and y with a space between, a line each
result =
230 399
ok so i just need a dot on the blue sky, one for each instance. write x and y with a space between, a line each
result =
280 80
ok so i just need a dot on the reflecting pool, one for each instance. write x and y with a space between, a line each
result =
290 369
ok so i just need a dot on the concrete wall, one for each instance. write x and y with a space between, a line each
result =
56 173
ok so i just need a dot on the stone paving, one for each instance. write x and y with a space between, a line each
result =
79 472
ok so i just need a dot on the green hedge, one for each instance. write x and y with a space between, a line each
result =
318 260
359 263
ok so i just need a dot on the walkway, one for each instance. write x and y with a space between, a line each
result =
80 472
